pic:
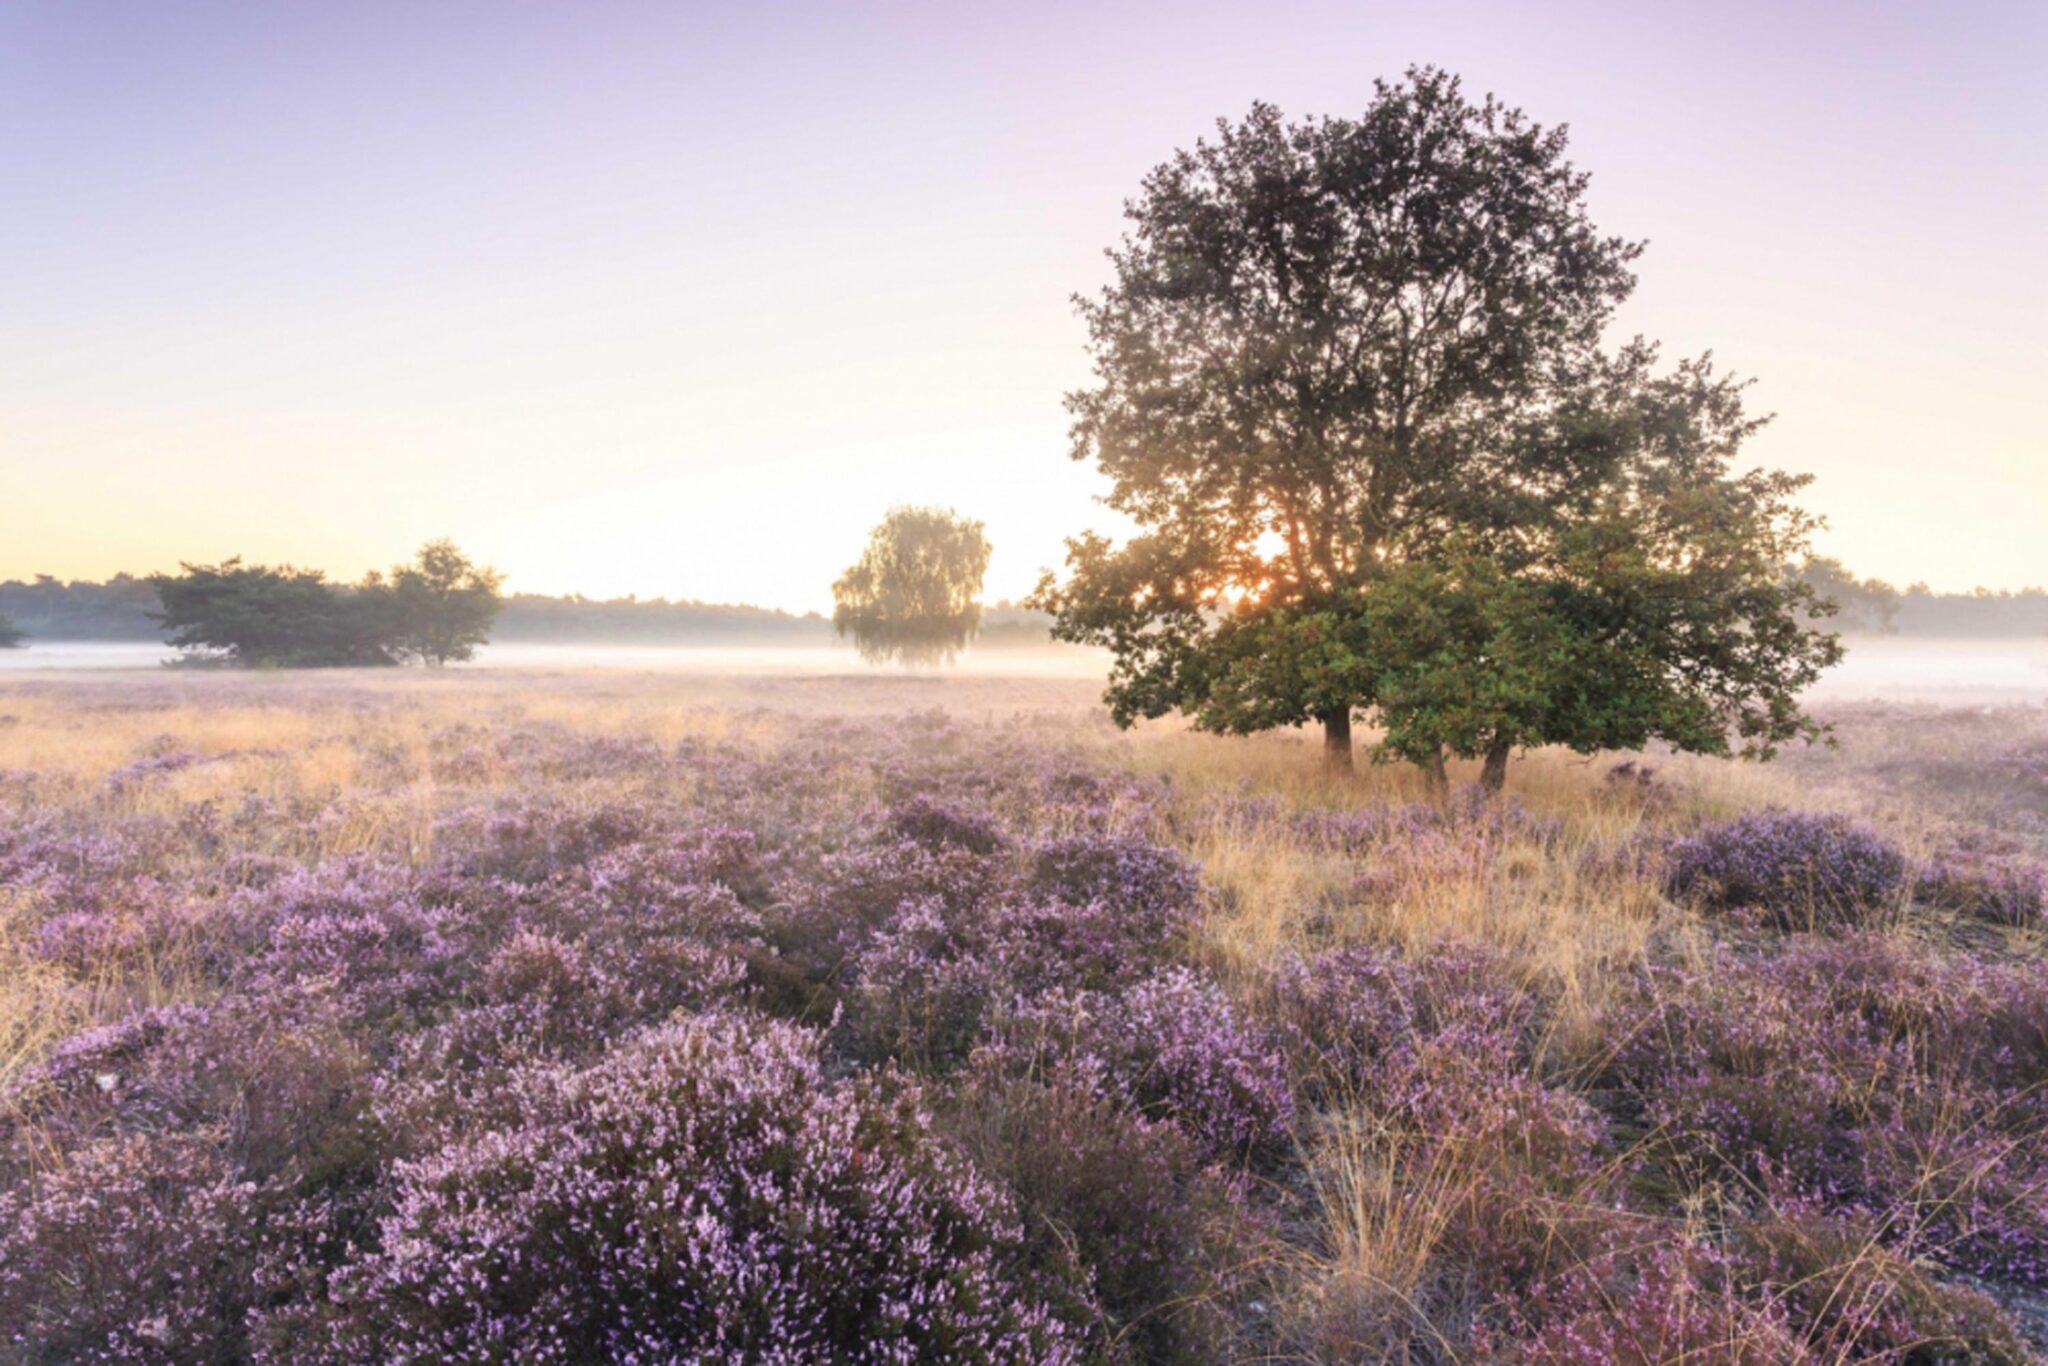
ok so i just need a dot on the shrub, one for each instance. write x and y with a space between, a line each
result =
1986 883
1435 1059
1851 1299
1670 1301
1855 1075
274 1081
700 1193
137 1247
1803 870
1175 1046
924 820
1184 1050
1148 883
1168 1246
929 977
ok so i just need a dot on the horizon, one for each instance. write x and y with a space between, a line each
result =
574 290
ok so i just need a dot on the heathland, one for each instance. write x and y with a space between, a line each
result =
587 1016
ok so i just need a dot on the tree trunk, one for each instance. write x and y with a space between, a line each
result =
1337 740
1494 774
1438 778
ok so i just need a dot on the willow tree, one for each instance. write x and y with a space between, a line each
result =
1350 386
915 592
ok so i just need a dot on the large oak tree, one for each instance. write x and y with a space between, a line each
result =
1351 386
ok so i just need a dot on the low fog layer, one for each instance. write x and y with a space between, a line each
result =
1891 668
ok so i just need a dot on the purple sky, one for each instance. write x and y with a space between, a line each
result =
679 299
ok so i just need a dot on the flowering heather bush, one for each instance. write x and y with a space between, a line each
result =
1851 1299
275 1082
137 1248
1169 1246
1859 1076
1802 869
1152 885
700 1193
930 978
830 913
967 936
1174 1047
535 837
1987 881
1439 1055
360 929
934 824
1672 1301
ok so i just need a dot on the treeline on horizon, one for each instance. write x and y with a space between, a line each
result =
121 609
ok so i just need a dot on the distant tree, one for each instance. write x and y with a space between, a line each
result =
260 615
1865 604
1351 388
443 605
914 594
11 635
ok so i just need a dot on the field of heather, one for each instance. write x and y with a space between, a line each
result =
577 1017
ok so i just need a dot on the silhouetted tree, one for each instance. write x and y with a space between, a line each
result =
11 635
1865 604
443 605
914 594
256 614
1351 388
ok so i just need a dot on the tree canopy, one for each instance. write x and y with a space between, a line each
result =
1352 386
443 605
435 609
11 635
914 594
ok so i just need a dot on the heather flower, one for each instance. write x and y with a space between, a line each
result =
135 1247
1155 886
1175 1046
700 1193
1985 882
1169 1247
1856 1075
1802 869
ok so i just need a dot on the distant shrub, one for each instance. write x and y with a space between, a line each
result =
1802 869
925 820
702 1193
1986 883
536 835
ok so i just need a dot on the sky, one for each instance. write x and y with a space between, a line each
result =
677 299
